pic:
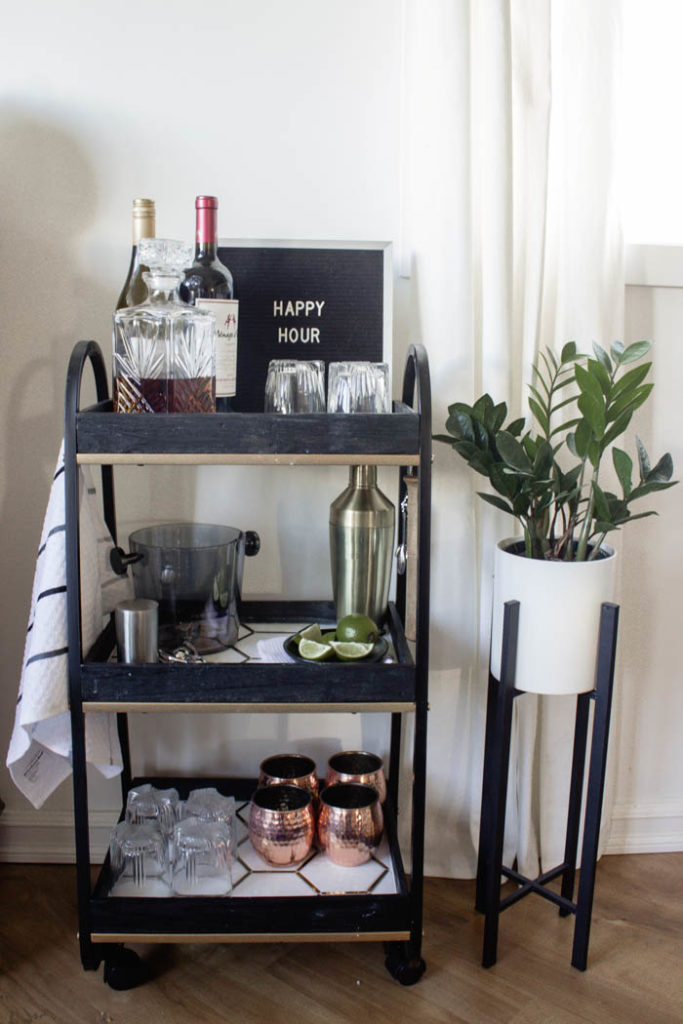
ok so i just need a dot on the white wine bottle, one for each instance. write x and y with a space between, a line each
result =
134 289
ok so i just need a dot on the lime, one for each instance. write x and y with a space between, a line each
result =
351 651
313 651
328 638
357 628
310 633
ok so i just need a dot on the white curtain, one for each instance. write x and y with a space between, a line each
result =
512 220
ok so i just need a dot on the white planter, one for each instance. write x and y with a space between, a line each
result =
559 618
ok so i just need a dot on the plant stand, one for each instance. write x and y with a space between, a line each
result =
501 694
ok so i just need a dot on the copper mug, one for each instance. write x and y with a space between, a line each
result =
290 770
357 766
282 824
350 823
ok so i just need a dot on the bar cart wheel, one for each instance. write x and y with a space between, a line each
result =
402 967
123 969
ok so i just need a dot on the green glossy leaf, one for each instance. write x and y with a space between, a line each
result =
617 351
636 351
504 482
512 452
497 502
630 380
650 488
600 504
617 429
598 371
588 384
540 415
481 408
594 453
498 417
643 459
543 462
630 401
460 407
565 426
663 470
582 438
541 379
516 427
446 438
571 444
460 426
593 412
623 464
568 353
602 357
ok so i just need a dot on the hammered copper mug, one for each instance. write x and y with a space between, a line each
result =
282 824
290 770
350 823
357 766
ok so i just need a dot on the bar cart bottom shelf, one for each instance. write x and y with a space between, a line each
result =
315 901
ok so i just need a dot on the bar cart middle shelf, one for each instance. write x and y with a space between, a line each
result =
391 913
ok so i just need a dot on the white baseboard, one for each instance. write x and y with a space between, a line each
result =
652 828
47 837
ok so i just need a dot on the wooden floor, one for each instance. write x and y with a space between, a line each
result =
635 969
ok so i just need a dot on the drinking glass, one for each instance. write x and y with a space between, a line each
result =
359 387
295 385
139 859
156 806
201 858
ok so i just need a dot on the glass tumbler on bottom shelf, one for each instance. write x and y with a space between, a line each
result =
164 350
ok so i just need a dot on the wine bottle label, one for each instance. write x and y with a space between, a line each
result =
226 312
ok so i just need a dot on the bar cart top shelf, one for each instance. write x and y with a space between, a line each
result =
105 437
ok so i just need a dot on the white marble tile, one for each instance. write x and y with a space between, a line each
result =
249 645
238 871
386 886
229 656
330 878
273 883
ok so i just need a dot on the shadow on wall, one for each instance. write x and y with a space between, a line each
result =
48 199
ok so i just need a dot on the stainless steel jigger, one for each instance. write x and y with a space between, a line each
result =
137 630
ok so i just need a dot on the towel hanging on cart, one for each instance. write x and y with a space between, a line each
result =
39 755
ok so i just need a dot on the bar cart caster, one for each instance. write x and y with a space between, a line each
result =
403 967
123 968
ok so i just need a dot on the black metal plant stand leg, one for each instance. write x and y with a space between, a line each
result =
490 866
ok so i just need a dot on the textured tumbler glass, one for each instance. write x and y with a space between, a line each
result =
295 385
202 858
359 387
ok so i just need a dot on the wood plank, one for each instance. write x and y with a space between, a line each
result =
633 966
220 938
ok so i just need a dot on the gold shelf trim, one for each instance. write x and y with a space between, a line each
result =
287 708
222 937
242 459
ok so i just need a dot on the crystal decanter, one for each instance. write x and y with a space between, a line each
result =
164 350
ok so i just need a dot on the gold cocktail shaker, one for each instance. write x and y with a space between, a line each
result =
361 546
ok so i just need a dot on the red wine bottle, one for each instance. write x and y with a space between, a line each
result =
134 289
208 285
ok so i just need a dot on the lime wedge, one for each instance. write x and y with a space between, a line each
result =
351 651
328 638
310 633
313 651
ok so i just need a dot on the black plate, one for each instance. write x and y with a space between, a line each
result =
378 652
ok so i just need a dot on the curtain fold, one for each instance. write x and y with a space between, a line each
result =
511 136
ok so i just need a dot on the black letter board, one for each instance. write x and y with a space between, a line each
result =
307 300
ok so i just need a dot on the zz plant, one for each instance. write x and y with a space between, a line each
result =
549 476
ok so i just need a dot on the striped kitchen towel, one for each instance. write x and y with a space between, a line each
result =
39 755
